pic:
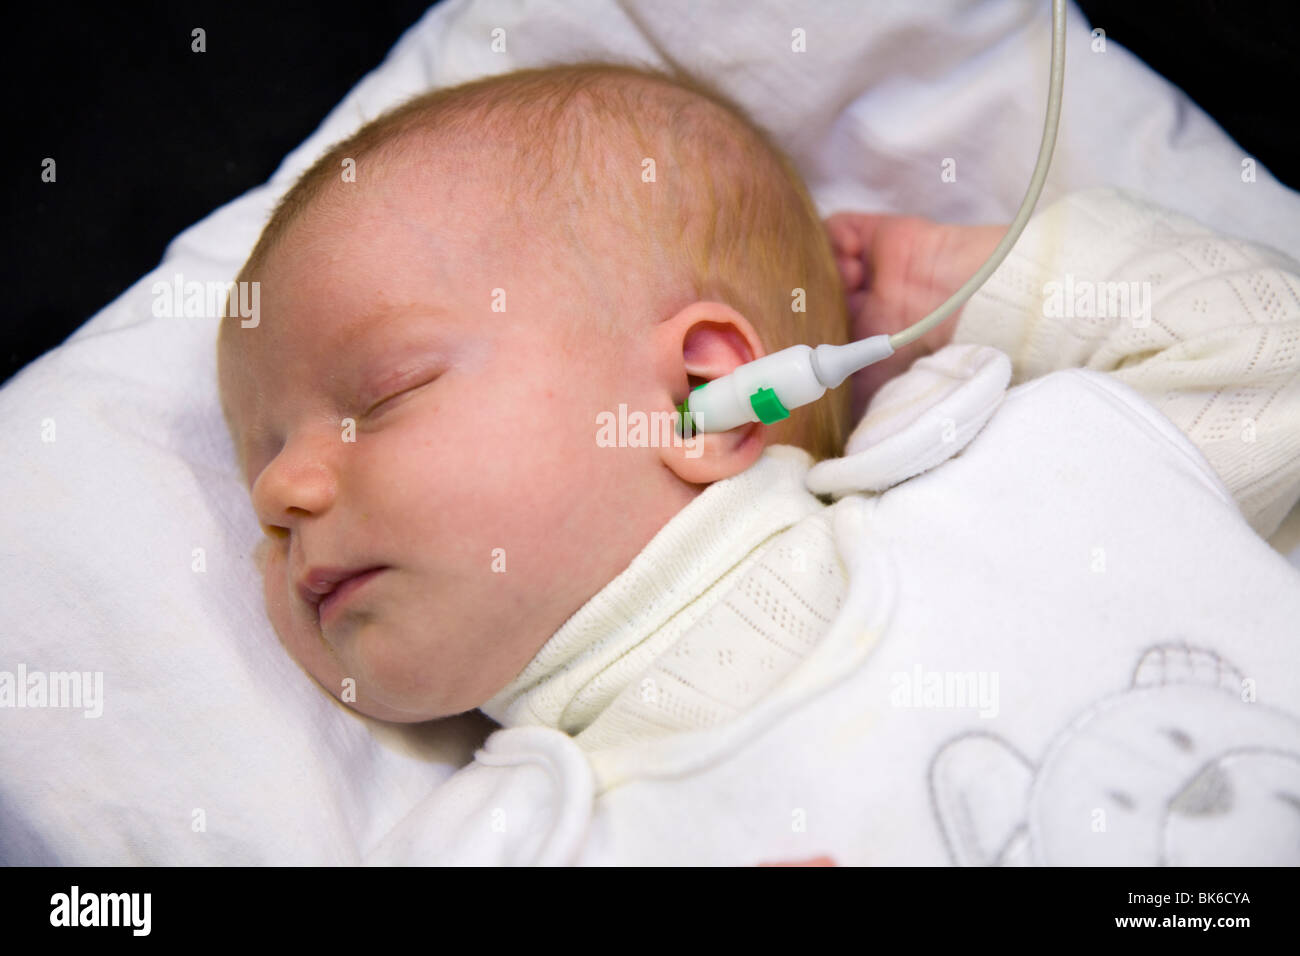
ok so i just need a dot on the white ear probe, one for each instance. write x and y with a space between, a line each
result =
766 389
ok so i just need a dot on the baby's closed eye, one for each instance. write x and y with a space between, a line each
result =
395 398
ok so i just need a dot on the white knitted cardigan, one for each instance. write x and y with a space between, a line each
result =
1218 353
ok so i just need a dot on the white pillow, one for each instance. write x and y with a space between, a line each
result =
127 533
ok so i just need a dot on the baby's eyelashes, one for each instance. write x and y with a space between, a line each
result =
377 409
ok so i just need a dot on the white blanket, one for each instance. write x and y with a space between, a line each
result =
127 533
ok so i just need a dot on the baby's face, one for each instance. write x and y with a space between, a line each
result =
473 481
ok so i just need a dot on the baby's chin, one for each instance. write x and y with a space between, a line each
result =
409 705
378 710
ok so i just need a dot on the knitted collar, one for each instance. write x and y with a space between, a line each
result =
687 568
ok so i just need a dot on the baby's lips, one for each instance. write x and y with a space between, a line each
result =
320 582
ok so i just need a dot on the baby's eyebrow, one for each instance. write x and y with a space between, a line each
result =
388 320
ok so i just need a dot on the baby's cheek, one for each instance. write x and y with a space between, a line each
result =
296 625
279 606
276 597
395 673
262 555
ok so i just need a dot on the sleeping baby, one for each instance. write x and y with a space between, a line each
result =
419 411
458 299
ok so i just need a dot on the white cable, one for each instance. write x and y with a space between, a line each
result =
1045 148
765 389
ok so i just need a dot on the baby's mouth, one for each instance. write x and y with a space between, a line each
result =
329 589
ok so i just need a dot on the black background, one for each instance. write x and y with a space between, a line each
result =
350 909
149 137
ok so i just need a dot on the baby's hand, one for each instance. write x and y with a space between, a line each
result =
897 270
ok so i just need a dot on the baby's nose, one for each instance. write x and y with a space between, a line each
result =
295 485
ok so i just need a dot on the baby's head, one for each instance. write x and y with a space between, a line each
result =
449 301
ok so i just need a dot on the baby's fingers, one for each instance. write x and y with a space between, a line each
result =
852 235
852 273
842 228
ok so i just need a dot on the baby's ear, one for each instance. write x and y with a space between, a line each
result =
702 459
702 342
712 349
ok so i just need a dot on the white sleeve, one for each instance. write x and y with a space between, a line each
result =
1205 327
